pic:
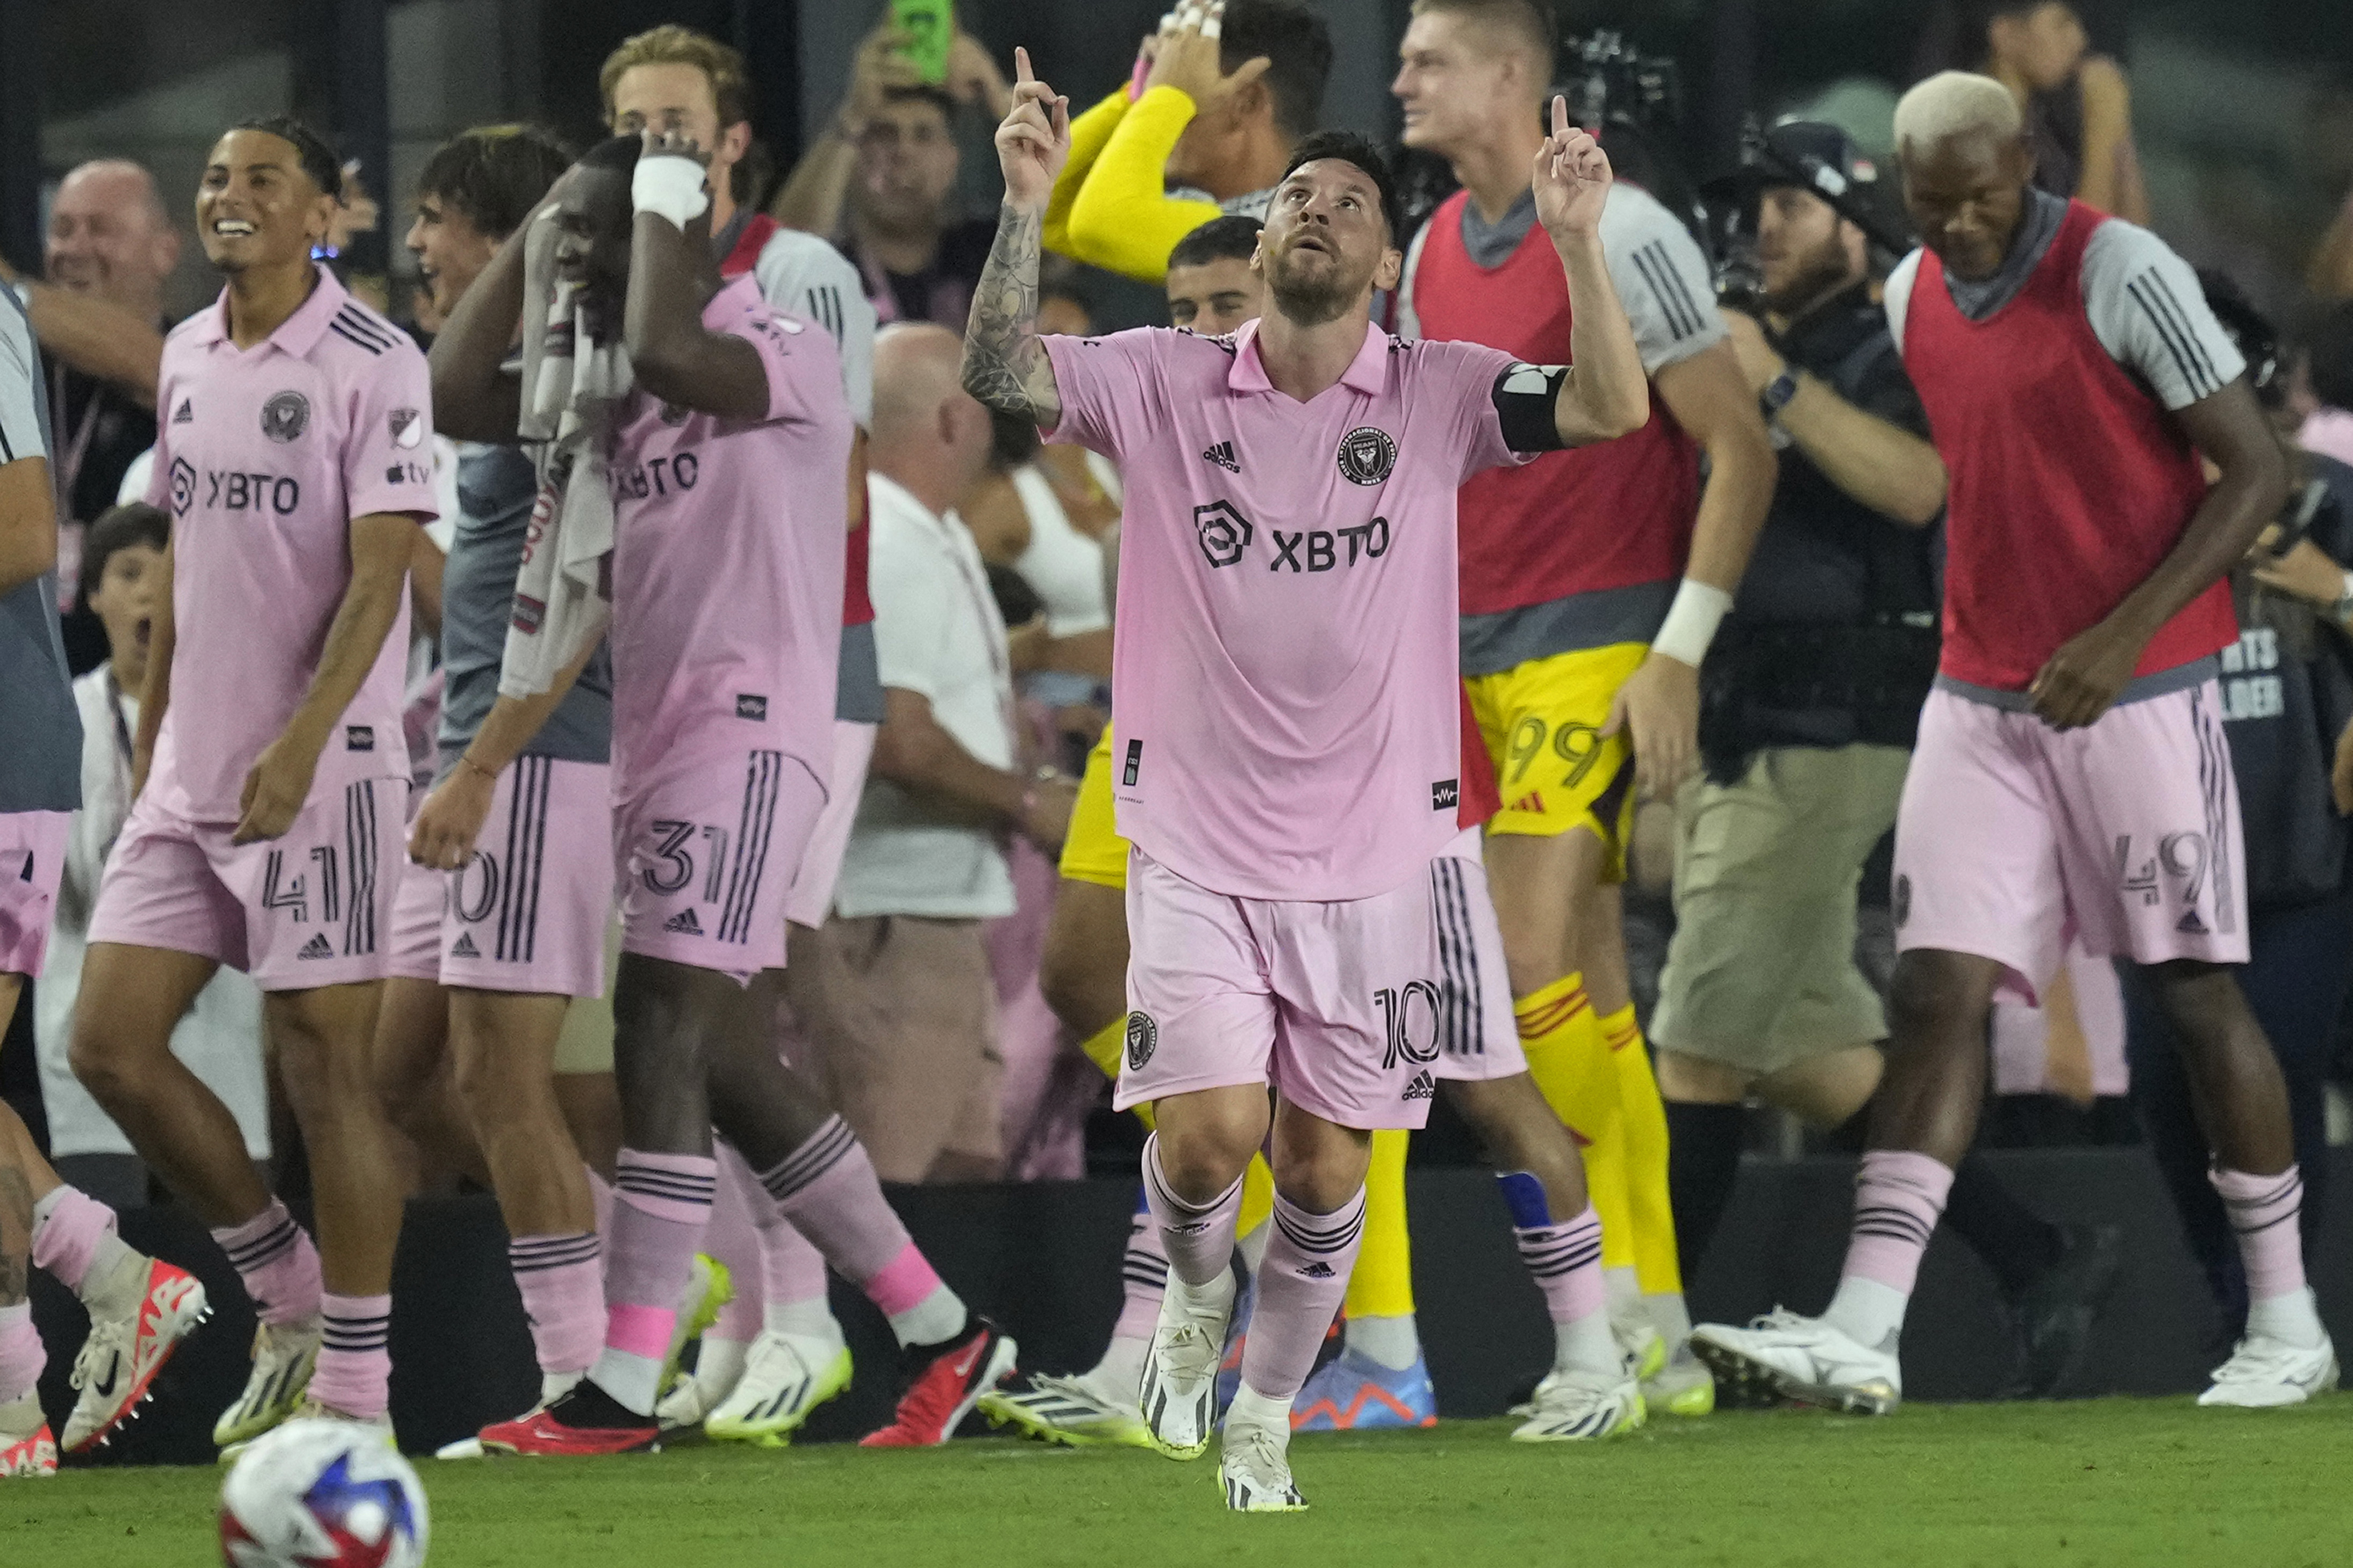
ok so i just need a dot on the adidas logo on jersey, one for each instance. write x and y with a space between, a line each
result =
683 924
1223 453
1314 1271
185 414
1421 1087
464 946
317 947
1532 803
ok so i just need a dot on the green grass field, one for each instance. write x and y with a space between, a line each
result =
2110 1481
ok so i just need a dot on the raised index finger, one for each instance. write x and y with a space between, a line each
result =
1021 65
1559 114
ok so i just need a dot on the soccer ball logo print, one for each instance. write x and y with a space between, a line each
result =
1142 1036
1366 455
285 417
407 428
1224 532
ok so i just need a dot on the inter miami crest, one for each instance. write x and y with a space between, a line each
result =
285 417
1143 1035
1366 455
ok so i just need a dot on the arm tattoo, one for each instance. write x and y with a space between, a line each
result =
1004 365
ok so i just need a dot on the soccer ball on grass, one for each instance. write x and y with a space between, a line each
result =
322 1494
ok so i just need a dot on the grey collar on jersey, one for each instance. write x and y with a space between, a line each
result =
1492 244
2038 226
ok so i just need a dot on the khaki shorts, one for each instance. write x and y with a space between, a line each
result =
586 1043
897 1019
1761 972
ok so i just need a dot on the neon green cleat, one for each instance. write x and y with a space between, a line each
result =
785 1378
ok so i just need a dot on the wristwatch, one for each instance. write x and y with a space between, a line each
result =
1776 395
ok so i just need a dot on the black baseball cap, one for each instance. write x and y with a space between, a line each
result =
1808 154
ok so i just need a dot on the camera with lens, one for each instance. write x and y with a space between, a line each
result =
1813 157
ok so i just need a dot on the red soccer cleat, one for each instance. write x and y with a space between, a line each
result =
943 1383
586 1421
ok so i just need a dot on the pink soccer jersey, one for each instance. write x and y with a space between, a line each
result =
263 456
727 560
1286 722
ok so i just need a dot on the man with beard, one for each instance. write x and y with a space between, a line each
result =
1287 735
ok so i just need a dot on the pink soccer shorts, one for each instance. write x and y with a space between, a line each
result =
32 865
707 839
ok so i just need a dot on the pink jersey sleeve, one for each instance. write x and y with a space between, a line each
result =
803 367
388 455
1108 387
1467 373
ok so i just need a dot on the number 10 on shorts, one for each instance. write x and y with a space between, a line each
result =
1413 1017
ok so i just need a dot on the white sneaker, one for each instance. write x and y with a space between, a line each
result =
310 1409
1178 1397
786 1376
1804 1360
1063 1410
284 1356
127 1347
1254 1469
1575 1405
2264 1372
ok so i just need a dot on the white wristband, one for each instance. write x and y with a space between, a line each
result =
670 187
1692 621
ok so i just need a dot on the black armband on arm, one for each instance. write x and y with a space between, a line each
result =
1524 396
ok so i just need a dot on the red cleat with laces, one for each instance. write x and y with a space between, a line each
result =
943 1383
586 1421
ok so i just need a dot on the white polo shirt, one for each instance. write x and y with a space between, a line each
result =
938 634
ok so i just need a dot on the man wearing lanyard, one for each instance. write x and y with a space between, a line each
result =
100 319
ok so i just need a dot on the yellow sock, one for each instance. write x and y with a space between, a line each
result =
1645 1118
1257 1198
1572 1065
1107 1046
1382 1286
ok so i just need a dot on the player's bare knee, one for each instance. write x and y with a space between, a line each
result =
2201 1001
1941 996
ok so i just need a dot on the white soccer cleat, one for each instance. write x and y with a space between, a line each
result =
2264 1372
310 1409
1063 1410
784 1377
118 1363
1803 1360
1179 1396
26 1447
1254 1469
1644 1347
284 1356
1573 1405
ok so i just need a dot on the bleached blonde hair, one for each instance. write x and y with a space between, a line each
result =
1956 103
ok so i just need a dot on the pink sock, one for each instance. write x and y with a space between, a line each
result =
661 1203
279 1267
2264 1212
1898 1197
21 1356
733 1239
561 1281
354 1372
1196 1239
600 1198
791 1271
1564 1259
1143 1277
69 1228
828 1189
1309 1258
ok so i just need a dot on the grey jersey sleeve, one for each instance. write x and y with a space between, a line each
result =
1661 277
1897 297
801 273
20 371
2149 313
